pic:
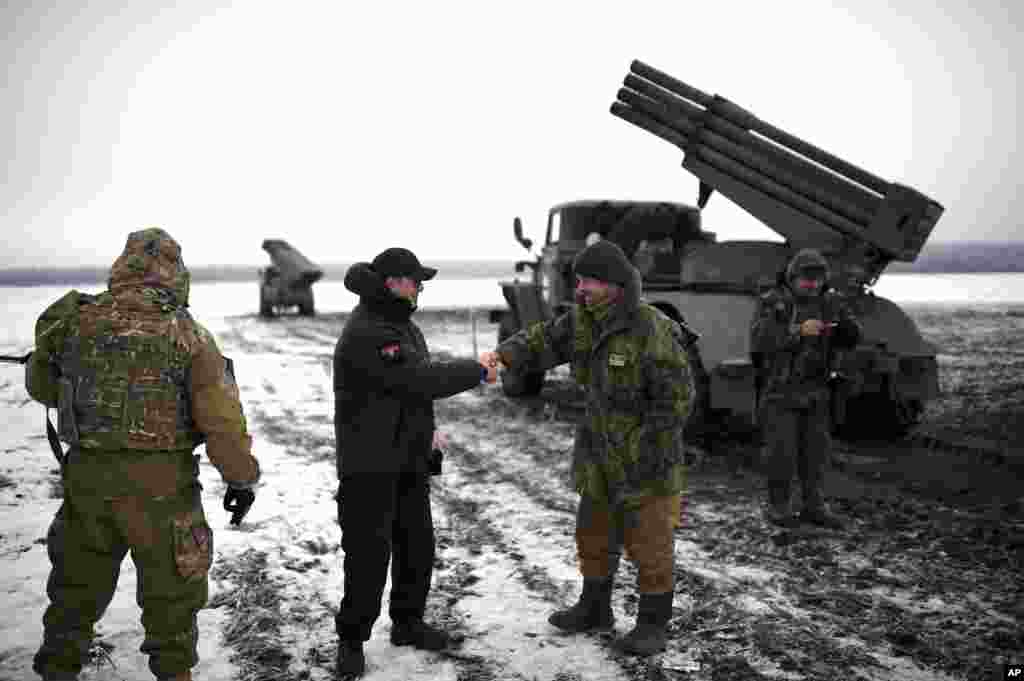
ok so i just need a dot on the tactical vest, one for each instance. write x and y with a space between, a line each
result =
124 379
809 361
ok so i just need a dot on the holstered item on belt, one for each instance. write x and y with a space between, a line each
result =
838 394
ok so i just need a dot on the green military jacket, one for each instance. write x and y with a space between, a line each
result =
794 368
638 391
137 382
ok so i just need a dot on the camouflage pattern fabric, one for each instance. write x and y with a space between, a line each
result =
794 368
87 542
794 410
137 383
638 390
131 370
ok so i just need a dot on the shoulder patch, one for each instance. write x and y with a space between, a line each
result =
390 351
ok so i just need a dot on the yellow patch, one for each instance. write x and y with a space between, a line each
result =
615 360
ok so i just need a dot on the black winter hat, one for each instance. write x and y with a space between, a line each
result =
604 260
401 262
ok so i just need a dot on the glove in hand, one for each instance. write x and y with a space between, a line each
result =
237 502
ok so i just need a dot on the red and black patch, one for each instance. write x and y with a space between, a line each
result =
391 352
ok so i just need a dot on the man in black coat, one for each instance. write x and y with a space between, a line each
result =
384 388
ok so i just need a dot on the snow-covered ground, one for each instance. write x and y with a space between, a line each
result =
504 518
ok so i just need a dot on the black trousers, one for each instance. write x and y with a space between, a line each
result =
384 517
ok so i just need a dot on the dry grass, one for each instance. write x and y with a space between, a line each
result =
253 630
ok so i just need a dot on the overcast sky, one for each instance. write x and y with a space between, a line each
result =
347 128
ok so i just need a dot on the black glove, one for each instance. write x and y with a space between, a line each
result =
237 502
436 459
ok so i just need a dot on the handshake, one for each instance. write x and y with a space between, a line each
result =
491 361
816 327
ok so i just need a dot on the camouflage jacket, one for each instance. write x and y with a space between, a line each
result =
637 387
794 368
137 382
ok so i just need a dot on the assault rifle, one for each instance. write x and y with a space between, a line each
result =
14 359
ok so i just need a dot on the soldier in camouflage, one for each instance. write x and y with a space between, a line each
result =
630 361
798 327
137 384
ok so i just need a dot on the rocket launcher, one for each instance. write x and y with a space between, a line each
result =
804 193
294 268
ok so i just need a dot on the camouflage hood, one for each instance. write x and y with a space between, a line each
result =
151 259
805 259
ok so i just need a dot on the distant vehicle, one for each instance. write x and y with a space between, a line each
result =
859 222
288 282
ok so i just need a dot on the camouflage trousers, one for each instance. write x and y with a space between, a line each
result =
645 528
796 438
171 545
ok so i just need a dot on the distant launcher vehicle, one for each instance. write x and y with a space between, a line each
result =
288 282
858 221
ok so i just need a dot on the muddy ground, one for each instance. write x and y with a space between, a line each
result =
925 582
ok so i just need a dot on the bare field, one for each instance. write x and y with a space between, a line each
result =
923 584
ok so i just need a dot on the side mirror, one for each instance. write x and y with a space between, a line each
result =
517 229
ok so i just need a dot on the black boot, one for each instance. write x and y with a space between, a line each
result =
592 611
815 511
351 661
778 511
419 634
649 636
819 515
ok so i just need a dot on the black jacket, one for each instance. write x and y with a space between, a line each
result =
385 383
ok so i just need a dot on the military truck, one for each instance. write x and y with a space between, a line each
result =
860 222
288 281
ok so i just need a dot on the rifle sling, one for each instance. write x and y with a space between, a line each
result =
51 435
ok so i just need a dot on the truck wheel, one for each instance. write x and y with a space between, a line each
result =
870 417
266 309
517 384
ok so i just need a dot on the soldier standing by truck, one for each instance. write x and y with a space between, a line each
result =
138 384
628 456
797 328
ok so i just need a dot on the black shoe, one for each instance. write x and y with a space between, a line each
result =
781 517
822 518
593 611
351 661
419 634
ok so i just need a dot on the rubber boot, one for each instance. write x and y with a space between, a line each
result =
351 661
778 511
592 611
649 636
